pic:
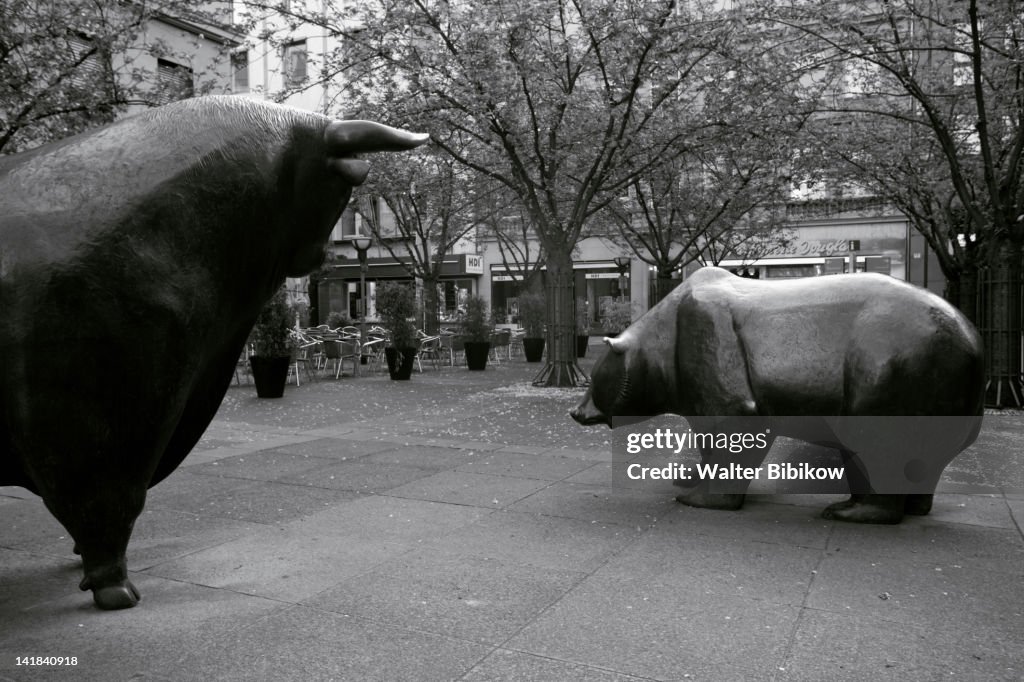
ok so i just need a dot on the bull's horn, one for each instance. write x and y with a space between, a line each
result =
352 137
617 344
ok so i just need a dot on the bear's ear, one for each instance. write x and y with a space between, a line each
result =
618 344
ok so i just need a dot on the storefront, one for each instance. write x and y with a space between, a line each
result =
825 249
597 284
339 290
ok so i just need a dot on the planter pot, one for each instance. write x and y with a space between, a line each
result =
533 349
269 375
400 362
582 341
476 354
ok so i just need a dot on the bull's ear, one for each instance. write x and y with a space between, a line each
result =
618 344
344 138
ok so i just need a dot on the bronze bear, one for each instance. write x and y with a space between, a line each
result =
888 373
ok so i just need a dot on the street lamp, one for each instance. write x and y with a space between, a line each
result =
362 244
622 263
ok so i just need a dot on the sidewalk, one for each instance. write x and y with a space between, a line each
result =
462 526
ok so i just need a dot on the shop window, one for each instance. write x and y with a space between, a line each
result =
792 271
879 264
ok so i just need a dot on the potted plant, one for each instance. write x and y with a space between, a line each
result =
396 303
272 346
337 320
532 312
476 328
617 317
582 327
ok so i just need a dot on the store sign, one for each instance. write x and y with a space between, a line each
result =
814 247
602 275
474 264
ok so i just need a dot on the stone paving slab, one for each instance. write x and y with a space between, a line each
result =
178 621
504 665
302 643
479 599
916 592
459 526
702 563
834 646
650 630
480 490
525 465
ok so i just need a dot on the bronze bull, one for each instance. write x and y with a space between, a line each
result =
134 260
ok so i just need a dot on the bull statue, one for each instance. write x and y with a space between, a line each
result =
134 260
887 373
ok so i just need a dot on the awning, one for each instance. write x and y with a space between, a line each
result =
456 265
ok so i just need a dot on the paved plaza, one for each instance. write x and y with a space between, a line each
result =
460 526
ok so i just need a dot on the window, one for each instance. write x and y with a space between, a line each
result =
376 218
345 228
240 67
294 63
174 81
90 71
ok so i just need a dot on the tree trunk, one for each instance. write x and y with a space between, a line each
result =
962 292
431 312
561 368
999 313
313 291
663 286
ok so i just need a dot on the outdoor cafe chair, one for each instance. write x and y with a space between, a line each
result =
374 350
501 344
515 346
430 349
447 345
242 365
301 357
341 351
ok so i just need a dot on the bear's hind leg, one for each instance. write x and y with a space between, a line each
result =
867 508
864 505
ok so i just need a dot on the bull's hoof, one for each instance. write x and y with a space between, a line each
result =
113 597
863 512
918 505
704 500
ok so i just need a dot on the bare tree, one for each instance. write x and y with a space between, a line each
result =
67 66
940 81
432 206
705 206
510 228
558 98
